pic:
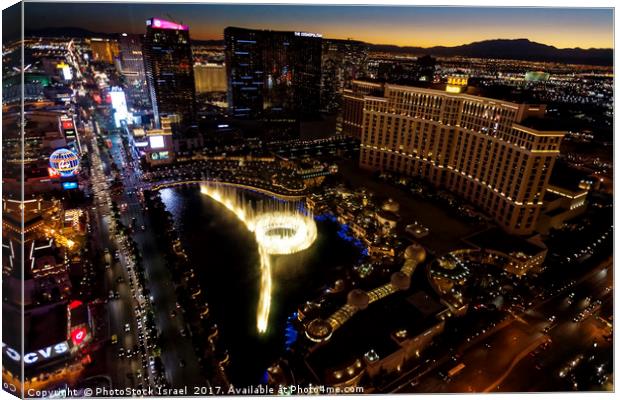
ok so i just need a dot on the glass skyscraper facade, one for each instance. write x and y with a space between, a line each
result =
342 62
273 72
132 68
169 69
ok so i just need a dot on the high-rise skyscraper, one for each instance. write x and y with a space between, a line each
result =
494 153
132 68
169 69
273 72
342 62
244 71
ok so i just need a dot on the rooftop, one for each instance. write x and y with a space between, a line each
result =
565 176
372 329
546 124
555 211
44 326
497 92
496 239
550 196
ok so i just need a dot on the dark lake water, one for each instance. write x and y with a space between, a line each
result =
225 257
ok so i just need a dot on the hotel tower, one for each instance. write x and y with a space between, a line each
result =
491 152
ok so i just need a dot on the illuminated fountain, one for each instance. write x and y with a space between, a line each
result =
279 227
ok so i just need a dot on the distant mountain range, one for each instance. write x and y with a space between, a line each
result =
514 49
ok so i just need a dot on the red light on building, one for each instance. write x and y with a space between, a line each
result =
78 335
67 124
75 304
53 173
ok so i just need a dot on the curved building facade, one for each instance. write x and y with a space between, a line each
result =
485 150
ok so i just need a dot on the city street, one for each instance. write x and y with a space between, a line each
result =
121 310
569 338
176 348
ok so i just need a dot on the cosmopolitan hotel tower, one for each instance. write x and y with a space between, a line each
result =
169 69
271 71
491 152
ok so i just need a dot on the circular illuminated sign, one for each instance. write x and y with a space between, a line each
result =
64 162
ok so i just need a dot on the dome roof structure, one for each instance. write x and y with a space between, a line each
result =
390 205
415 252
358 298
318 330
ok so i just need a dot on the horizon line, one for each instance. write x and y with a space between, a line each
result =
349 38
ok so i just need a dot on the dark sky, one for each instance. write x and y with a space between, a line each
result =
415 26
11 23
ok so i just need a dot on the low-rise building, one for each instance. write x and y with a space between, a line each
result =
521 254
384 338
565 198
155 146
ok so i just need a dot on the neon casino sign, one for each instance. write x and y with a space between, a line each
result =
308 34
163 24
78 335
43 354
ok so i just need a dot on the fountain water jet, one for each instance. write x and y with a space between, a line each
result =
279 228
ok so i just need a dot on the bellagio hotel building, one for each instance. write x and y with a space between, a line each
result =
483 149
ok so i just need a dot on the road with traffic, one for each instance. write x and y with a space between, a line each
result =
505 359
120 306
177 353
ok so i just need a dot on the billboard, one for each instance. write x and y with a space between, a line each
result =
78 335
66 71
69 185
67 127
53 173
119 104
162 155
66 123
157 142
46 353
